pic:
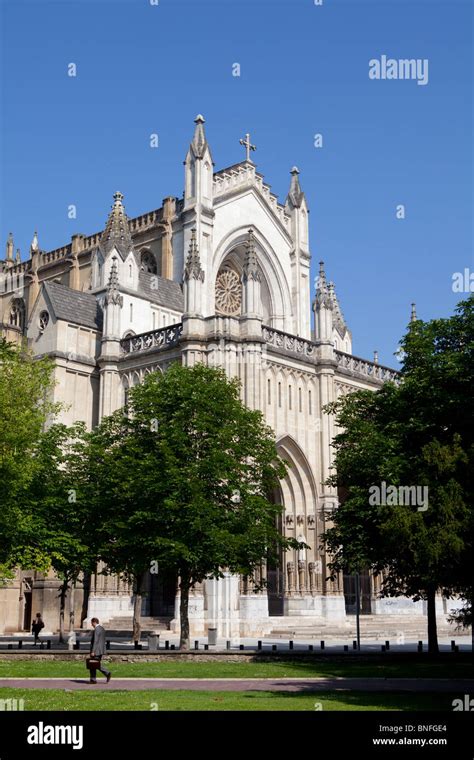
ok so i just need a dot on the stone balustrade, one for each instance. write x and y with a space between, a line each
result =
361 368
287 342
365 368
165 337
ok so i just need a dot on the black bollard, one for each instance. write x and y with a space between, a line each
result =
310 648
172 646
290 644
322 644
241 647
167 645
259 645
387 645
453 646
420 646
354 645
227 645
48 645
196 645
274 647
20 645
107 644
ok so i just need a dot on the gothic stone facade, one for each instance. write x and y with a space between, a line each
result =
220 276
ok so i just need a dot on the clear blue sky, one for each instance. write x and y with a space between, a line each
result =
304 70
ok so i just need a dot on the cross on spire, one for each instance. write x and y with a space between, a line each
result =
248 145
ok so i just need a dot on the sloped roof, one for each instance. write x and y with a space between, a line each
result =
74 306
161 291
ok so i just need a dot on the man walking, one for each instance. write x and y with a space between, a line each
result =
98 650
37 627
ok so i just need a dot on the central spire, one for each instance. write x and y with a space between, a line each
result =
117 232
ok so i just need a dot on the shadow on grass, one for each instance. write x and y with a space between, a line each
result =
361 700
388 666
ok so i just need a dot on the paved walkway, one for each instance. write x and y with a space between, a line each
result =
461 686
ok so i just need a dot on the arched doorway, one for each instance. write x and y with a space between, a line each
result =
275 571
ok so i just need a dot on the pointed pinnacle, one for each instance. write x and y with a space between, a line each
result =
10 245
193 263
117 230
251 268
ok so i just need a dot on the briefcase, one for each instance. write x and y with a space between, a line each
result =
92 663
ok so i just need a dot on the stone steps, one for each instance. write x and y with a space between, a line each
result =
373 626
117 625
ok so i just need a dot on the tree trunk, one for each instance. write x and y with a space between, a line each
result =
137 609
184 612
71 607
62 607
432 628
86 584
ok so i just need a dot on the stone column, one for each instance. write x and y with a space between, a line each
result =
290 569
302 576
312 578
167 265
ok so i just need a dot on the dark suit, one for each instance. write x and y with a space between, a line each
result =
98 647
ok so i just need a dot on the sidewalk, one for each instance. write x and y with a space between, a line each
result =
424 685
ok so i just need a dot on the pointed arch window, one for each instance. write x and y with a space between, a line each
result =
148 262
43 320
17 313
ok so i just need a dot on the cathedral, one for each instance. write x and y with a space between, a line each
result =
219 276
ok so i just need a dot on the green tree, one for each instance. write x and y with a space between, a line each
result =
186 473
25 403
417 433
59 497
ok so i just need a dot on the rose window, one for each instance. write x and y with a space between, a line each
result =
228 292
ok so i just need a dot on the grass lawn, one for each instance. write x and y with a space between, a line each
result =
162 700
214 669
